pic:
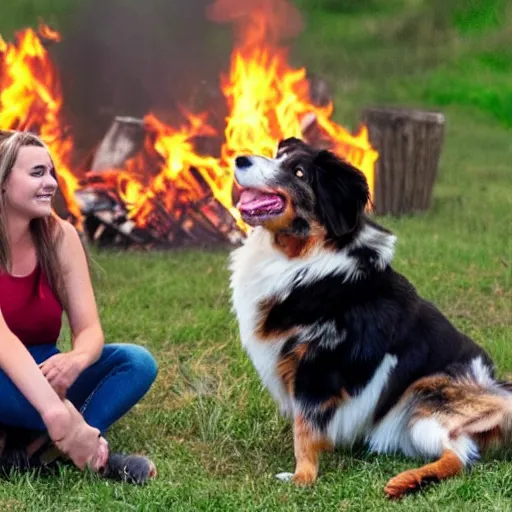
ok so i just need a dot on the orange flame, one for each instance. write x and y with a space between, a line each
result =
49 33
31 100
174 148
267 101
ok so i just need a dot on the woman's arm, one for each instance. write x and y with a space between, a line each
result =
18 364
81 308
66 427
62 370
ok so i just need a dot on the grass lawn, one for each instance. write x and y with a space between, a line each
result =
214 433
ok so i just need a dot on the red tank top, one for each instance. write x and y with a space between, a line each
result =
30 308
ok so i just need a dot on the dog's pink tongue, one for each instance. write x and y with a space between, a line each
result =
255 200
248 196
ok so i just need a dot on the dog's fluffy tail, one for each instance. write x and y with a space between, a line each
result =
474 414
473 404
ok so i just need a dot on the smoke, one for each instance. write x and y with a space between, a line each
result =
273 22
131 57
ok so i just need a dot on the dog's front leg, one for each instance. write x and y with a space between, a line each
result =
307 453
308 445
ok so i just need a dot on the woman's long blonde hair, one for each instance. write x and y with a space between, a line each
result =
46 231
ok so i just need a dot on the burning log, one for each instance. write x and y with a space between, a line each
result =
409 143
174 216
106 223
123 140
104 231
214 216
201 222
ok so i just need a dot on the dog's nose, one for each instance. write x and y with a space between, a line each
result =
242 162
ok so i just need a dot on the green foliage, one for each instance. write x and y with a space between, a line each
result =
478 15
496 99
349 7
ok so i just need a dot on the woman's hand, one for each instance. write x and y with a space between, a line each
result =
82 443
61 370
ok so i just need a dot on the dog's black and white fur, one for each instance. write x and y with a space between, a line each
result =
343 343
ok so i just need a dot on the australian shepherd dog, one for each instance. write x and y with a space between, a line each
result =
342 342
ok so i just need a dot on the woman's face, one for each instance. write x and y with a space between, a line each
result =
30 187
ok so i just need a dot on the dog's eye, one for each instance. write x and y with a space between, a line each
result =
299 172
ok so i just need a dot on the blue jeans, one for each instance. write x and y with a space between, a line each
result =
102 393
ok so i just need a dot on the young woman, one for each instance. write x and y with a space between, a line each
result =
43 273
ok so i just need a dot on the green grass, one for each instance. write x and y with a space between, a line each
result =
214 433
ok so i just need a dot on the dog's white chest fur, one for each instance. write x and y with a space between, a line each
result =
259 272
255 269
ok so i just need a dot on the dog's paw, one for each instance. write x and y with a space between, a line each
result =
285 477
303 478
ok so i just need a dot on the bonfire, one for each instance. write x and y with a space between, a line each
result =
267 101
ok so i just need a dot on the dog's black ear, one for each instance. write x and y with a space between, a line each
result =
289 144
342 193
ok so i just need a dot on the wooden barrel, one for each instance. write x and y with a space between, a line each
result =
409 143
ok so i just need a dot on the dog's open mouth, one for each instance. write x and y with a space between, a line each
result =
256 206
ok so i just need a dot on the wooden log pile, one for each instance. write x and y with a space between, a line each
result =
202 222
